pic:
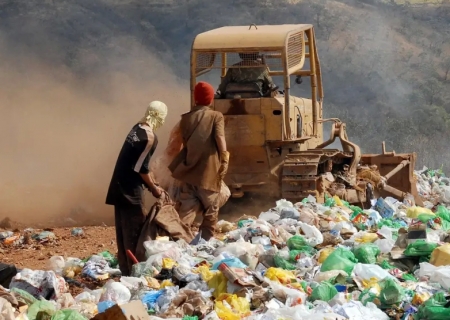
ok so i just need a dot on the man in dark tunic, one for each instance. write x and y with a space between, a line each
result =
131 174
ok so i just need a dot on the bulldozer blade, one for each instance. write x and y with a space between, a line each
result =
397 171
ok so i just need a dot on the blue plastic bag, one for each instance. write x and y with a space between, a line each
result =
150 298
105 305
230 262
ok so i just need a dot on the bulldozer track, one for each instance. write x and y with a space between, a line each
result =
301 174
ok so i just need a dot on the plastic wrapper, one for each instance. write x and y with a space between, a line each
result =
308 216
38 283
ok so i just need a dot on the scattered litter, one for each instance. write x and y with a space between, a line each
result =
295 261
76 232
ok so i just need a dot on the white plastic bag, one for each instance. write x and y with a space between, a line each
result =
369 271
6 310
440 275
385 245
327 275
89 296
312 235
374 217
269 216
157 246
292 295
56 263
355 310
132 283
344 225
115 291
39 283
283 204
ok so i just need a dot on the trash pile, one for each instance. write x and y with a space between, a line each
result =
296 261
28 237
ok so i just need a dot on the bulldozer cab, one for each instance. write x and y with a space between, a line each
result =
243 57
274 138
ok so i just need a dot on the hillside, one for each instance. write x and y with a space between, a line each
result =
75 75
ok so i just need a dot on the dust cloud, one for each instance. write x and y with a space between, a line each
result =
61 131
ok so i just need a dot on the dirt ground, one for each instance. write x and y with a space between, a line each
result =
36 255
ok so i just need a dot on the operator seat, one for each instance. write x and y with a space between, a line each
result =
243 90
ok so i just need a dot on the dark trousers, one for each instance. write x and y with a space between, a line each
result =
129 221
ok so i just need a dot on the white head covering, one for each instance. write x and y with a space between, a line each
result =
155 114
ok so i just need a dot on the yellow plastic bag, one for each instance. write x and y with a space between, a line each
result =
205 273
338 201
168 263
231 307
366 237
166 283
225 313
219 283
420 298
413 212
441 256
152 283
324 253
372 283
279 275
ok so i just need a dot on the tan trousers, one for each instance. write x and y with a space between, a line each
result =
195 200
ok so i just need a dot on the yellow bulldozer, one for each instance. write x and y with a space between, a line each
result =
275 139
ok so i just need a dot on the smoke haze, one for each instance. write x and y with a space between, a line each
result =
61 133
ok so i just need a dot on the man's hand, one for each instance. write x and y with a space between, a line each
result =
157 192
224 160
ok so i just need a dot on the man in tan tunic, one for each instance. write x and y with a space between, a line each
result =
203 162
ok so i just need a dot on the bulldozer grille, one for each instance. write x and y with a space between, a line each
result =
295 54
